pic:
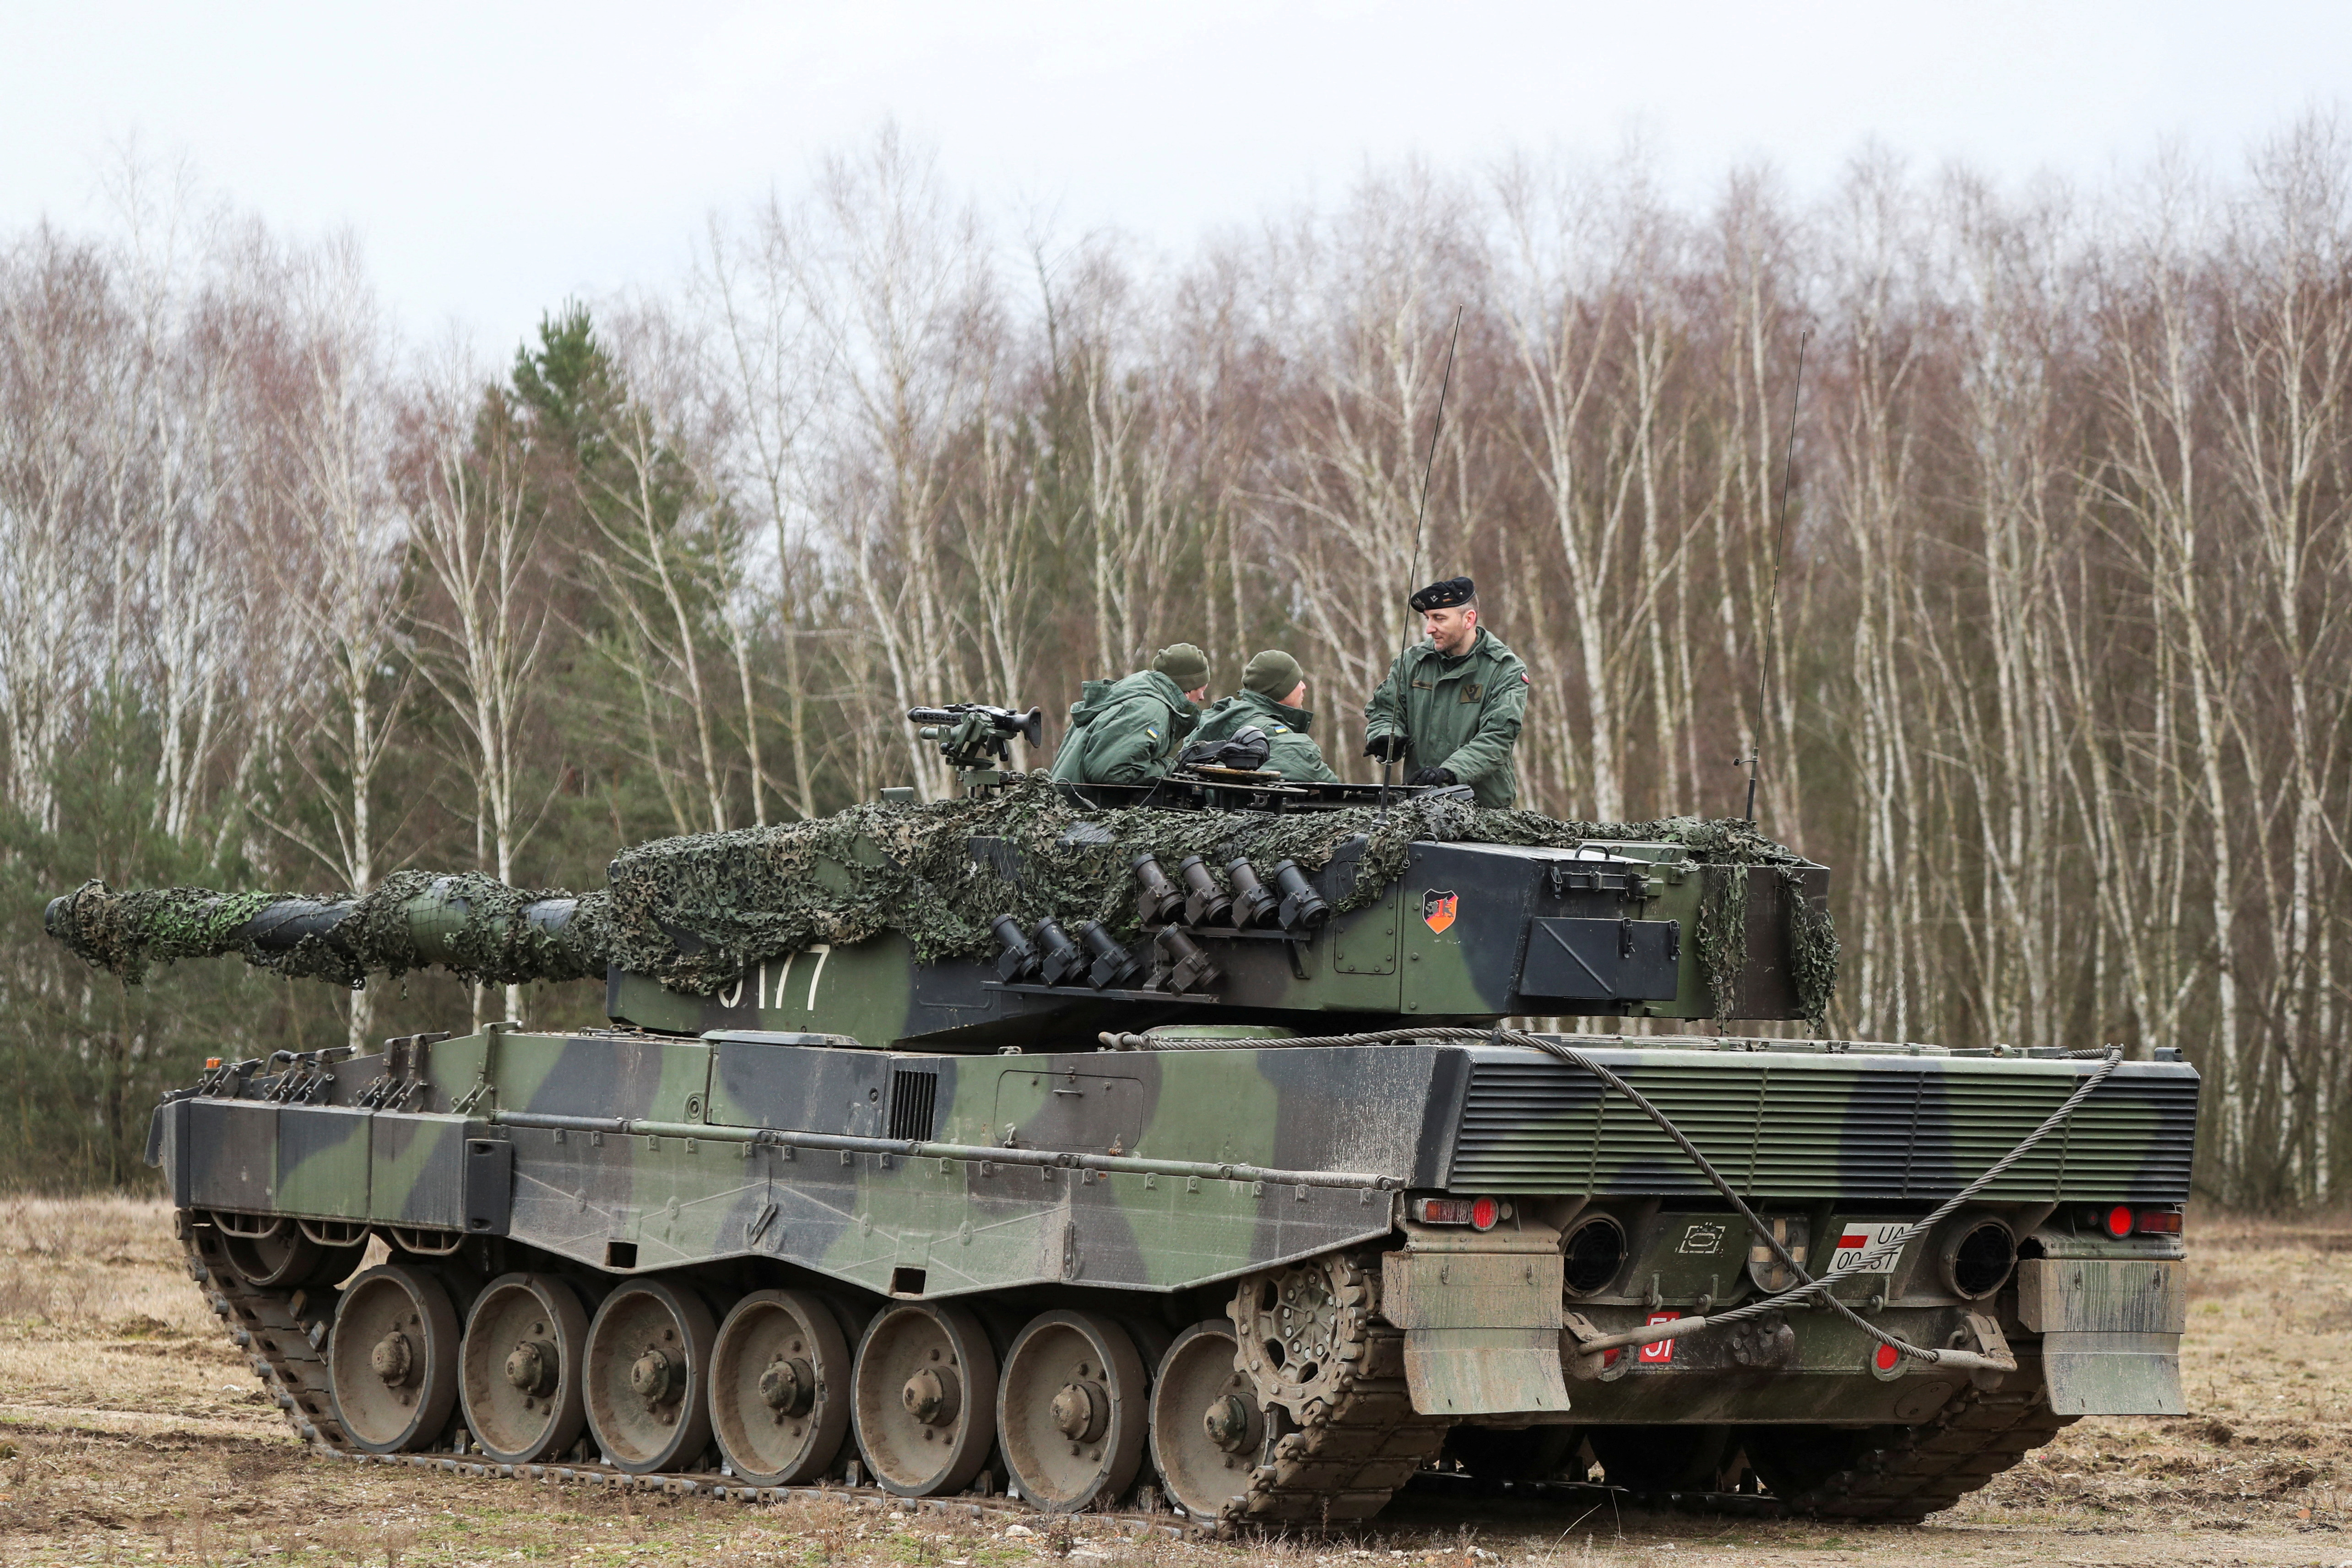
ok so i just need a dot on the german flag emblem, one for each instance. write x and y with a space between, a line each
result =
1436 909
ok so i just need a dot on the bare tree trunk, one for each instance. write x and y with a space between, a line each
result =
485 627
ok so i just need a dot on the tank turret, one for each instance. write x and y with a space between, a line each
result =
1290 902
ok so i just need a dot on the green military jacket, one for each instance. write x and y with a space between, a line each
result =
1124 731
1292 752
1459 714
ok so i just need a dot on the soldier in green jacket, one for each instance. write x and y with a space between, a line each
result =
1463 694
1274 698
1125 732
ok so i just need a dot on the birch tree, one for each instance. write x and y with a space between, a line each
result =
482 631
339 557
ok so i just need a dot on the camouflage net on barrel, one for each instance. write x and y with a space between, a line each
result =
695 912
480 920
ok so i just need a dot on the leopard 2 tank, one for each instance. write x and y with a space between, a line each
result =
1235 1146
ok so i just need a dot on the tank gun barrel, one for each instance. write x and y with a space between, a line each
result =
478 927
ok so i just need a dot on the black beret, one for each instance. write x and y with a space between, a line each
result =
1444 596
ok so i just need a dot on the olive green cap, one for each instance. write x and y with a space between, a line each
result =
1273 673
1185 665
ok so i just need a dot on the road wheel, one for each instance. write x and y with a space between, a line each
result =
779 1384
924 1397
1071 1411
391 1359
1206 1425
526 1341
648 1360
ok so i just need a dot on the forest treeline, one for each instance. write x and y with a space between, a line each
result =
2059 684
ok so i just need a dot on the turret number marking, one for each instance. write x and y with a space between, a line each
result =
824 950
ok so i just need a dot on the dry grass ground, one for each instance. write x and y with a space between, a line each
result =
131 1434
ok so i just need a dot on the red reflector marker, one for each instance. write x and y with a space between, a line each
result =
2160 1222
1887 1356
2119 1221
1484 1213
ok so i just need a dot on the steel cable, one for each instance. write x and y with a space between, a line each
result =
1808 1287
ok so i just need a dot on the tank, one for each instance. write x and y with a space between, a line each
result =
1228 1146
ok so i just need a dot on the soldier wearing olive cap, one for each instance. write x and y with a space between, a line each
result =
1125 732
1450 706
1273 697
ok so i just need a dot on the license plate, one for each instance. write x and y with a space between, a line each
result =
1855 1240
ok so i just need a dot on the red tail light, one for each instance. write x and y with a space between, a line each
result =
2119 1221
2158 1222
1479 1213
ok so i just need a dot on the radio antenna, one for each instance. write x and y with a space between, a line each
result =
1413 564
1772 599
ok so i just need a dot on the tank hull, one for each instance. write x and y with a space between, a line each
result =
1163 1188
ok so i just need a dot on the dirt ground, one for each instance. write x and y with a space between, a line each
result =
131 1433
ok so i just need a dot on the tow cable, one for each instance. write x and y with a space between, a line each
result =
1808 1285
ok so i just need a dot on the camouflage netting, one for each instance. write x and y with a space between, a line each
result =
1812 952
1722 936
463 920
130 933
695 912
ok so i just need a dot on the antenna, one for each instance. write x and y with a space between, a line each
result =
1413 564
1772 600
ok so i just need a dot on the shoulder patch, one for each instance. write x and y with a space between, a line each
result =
1523 679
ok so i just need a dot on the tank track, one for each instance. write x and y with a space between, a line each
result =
1932 1466
1341 1466
1348 1453
279 1330
1343 1469
1339 1469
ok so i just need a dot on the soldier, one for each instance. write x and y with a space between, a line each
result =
1464 695
1124 731
1274 698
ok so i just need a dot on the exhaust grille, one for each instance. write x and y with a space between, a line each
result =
1904 1129
914 1097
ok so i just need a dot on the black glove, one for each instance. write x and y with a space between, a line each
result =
1386 748
1432 776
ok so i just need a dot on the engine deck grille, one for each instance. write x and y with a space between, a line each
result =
1894 1128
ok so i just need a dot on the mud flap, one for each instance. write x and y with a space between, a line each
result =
2110 1332
1481 1320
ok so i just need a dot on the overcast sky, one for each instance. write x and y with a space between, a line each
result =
495 158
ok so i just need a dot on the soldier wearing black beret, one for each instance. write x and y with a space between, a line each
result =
1450 706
